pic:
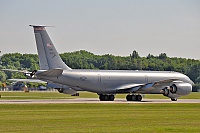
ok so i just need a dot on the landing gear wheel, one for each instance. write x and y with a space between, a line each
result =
133 97
111 97
101 97
106 97
138 98
128 97
174 99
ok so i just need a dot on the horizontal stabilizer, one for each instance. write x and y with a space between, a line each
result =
51 72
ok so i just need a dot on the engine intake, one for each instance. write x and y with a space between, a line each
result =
166 91
66 91
173 88
60 90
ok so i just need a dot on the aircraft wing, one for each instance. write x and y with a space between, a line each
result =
149 87
28 80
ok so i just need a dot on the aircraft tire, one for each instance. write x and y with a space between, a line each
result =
111 97
174 99
133 97
104 97
101 97
128 98
138 98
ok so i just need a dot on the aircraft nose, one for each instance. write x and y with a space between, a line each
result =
188 80
191 82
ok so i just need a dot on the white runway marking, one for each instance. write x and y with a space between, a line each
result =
96 100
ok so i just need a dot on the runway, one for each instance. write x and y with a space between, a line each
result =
96 100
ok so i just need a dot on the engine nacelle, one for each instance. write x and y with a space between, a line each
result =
181 88
66 91
177 89
62 88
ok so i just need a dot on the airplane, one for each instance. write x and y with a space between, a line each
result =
106 83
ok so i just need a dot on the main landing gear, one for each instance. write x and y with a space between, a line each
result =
133 97
104 97
111 97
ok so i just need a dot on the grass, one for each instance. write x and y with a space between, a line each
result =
132 117
55 95
51 118
19 95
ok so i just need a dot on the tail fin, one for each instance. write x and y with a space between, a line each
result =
48 55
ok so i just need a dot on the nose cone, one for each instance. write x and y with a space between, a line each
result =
188 80
191 82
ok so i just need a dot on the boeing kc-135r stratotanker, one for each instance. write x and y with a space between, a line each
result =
106 83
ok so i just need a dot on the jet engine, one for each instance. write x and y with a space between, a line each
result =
66 90
177 89
62 88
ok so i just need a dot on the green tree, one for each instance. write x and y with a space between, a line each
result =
162 56
86 60
135 54
18 75
194 72
3 76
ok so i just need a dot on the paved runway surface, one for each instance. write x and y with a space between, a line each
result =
96 100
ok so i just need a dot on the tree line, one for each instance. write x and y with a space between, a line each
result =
86 60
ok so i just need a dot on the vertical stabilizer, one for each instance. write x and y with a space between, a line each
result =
48 55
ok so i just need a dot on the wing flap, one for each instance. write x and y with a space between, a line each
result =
129 88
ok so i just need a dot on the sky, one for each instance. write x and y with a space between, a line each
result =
115 27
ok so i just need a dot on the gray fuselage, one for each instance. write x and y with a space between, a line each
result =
108 81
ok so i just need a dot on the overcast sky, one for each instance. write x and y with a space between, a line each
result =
104 26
